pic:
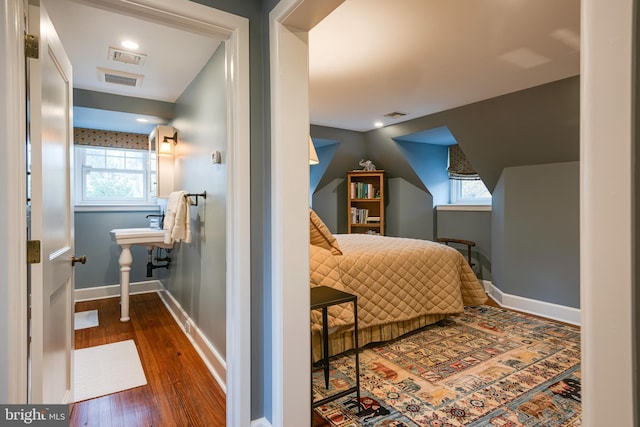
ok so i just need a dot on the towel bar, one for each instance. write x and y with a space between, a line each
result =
203 195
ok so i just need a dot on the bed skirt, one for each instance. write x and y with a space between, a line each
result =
341 339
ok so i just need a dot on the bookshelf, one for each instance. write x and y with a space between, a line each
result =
365 190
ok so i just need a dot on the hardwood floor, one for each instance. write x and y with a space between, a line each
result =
180 390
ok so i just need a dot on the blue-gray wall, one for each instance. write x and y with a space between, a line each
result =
474 225
330 204
92 238
536 233
429 161
409 210
350 150
125 104
325 150
198 278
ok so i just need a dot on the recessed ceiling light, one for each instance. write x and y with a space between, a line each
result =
378 124
130 44
126 56
141 120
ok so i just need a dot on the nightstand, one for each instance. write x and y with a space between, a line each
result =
322 297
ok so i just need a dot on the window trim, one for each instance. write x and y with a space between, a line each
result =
466 208
117 208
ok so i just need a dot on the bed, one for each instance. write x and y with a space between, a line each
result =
402 285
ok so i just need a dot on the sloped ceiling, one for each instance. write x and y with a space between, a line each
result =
419 57
529 127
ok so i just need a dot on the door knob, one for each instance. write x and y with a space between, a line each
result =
81 260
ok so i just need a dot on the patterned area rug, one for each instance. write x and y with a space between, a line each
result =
484 367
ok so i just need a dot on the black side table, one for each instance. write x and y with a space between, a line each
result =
323 297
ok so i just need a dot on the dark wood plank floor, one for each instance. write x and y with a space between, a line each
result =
180 390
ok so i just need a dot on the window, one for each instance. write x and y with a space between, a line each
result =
469 192
110 176
465 185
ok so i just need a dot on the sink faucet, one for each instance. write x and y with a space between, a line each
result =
161 216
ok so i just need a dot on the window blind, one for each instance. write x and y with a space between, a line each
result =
459 165
108 138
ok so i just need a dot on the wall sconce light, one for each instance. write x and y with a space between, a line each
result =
216 157
165 146
313 156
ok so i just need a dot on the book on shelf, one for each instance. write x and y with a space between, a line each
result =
373 219
362 190
359 216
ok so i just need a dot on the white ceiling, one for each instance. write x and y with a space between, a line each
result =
367 58
372 57
173 57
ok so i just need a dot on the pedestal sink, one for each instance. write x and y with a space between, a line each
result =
125 237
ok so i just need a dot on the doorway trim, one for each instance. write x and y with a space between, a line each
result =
601 33
234 30
13 217
289 24
608 120
290 368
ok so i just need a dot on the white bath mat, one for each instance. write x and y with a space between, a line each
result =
85 319
107 369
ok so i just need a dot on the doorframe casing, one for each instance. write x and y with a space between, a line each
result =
607 147
291 382
289 24
603 91
13 216
234 30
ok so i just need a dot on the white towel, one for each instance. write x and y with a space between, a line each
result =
177 220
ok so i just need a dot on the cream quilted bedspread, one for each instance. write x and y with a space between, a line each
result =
394 279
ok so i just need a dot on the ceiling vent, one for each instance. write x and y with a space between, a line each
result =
395 115
119 77
126 57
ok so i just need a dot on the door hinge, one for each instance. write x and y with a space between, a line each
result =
33 251
31 46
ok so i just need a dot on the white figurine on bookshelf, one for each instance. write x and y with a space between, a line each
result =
368 165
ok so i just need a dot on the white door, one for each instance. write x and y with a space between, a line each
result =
50 132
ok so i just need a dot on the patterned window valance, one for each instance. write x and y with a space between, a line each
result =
459 166
113 139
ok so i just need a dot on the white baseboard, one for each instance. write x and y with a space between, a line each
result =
212 359
110 291
539 308
486 285
260 422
